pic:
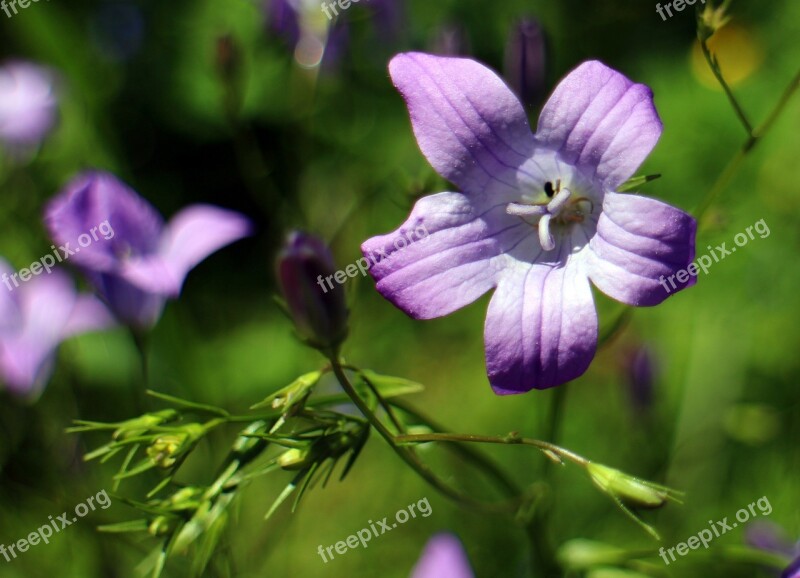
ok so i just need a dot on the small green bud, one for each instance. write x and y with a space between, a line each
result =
160 526
137 426
711 19
629 490
296 459
165 450
580 554
288 396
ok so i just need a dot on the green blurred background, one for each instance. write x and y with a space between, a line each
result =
331 151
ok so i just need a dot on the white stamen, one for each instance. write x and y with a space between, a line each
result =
558 202
525 210
545 238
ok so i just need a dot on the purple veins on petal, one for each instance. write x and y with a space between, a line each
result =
537 216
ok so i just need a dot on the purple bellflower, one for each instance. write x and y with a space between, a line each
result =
443 557
143 261
538 215
28 103
34 318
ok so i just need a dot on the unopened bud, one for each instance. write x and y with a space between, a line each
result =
711 19
296 459
317 306
525 61
160 526
580 554
629 490
168 448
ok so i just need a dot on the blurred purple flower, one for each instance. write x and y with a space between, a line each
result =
34 319
319 312
28 103
771 538
284 20
443 557
538 216
143 262
525 61
318 33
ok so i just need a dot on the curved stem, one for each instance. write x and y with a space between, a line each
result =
714 66
408 455
467 452
755 136
512 439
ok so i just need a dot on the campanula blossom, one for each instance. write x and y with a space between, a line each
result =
144 261
443 557
537 217
34 319
28 103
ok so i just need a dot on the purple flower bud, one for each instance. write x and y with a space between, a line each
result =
640 370
284 20
317 306
525 61
451 40
27 103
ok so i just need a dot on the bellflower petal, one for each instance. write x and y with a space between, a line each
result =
94 198
192 235
639 241
443 557
541 328
468 123
599 120
47 311
443 257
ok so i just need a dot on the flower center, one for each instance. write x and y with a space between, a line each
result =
562 210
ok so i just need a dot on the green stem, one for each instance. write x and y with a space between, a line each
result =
467 452
409 456
715 69
754 137
511 439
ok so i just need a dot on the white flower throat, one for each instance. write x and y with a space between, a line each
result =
562 210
